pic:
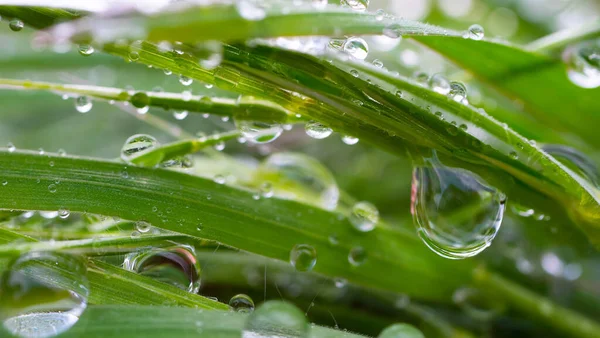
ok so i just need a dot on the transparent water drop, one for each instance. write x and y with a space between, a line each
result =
43 294
356 47
303 257
136 145
354 72
259 132
167 71
378 63
64 213
16 25
300 177
357 256
184 80
422 78
11 147
401 331
276 319
242 303
364 216
179 162
575 160
379 15
175 265
583 64
317 130
140 100
439 84
458 91
349 140
143 226
49 214
86 50
476 32
457 214
83 104
266 190
220 146
61 152
52 188
186 95
357 5
476 306
250 10
134 56
220 179
180 115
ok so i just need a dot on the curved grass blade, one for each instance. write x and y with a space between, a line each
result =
555 42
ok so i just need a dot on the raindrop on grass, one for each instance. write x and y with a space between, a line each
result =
43 294
364 216
317 130
401 331
259 132
142 226
356 47
83 104
16 25
134 56
11 147
457 214
136 145
242 303
140 100
184 80
86 50
220 179
476 32
303 257
276 319
64 213
357 5
421 77
349 140
583 64
176 265
180 115
52 188
439 84
357 256
458 91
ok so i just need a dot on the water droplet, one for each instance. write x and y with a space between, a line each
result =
457 213
259 132
43 294
266 189
184 80
513 155
317 130
140 100
64 213
303 257
143 226
401 330
186 95
475 305
220 146
61 152
357 5
421 77
356 47
180 115
52 188
83 104
354 72
583 64
364 216
11 147
16 25
377 63
300 177
41 151
220 179
276 319
575 160
476 32
357 256
242 303
167 71
134 56
439 84
349 140
340 282
458 91
175 265
379 15
136 145
86 50
250 10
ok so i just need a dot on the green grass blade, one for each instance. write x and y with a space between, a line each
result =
555 42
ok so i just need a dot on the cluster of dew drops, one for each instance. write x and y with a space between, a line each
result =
432 187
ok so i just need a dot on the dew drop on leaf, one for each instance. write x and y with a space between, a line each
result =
583 64
180 115
136 145
175 265
276 319
476 32
349 140
140 100
303 257
242 303
142 226
439 84
356 47
400 330
457 214
317 130
458 91
16 25
364 216
43 294
64 213
11 147
357 5
357 256
259 132
86 50
83 104
184 80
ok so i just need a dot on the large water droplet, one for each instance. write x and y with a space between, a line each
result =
575 160
276 319
136 145
401 331
140 100
583 64
356 47
86 50
357 5
242 303
303 257
458 91
457 213
259 132
364 216
83 104
357 256
299 177
439 84
317 130
43 294
175 265
16 25
349 140
476 32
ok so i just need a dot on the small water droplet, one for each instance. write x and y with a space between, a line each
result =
140 100
354 72
379 15
184 80
458 91
356 5
11 147
180 115
276 319
401 330
64 213
52 188
349 140
476 32
259 132
422 78
86 50
136 145
583 64
340 282
43 294
357 256
220 179
143 226
364 216
242 303
61 152
175 265
83 104
134 56
220 146
377 63
356 47
439 84
266 189
16 25
303 257
317 130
